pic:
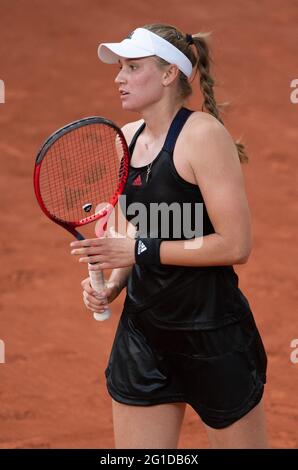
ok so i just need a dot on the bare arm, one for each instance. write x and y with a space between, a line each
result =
217 169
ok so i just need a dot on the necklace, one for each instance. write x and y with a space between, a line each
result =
148 171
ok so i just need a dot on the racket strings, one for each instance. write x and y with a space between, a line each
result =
81 169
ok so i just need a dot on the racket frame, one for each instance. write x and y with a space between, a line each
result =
96 277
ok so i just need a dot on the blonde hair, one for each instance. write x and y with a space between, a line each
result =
199 55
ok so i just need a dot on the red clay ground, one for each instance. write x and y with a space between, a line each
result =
52 391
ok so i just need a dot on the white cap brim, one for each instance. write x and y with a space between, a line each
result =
144 43
111 52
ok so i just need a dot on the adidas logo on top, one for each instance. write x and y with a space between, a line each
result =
141 247
137 181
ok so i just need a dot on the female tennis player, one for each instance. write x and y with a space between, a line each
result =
186 334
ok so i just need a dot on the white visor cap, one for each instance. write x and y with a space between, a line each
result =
144 43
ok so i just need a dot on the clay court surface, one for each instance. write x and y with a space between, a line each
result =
52 384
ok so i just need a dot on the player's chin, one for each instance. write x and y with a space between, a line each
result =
128 104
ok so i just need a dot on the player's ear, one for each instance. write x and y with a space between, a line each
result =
170 74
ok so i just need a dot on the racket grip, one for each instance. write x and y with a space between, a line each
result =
97 283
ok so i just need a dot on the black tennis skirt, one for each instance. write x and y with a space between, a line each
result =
220 372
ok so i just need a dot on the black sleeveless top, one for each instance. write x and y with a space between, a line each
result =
182 296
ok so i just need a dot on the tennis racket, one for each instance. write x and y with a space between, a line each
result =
80 167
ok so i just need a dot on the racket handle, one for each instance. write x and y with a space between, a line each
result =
97 283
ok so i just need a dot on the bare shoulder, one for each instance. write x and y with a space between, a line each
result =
200 124
130 129
209 143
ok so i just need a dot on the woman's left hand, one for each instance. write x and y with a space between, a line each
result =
106 252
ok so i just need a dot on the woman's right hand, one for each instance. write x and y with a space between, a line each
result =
98 302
